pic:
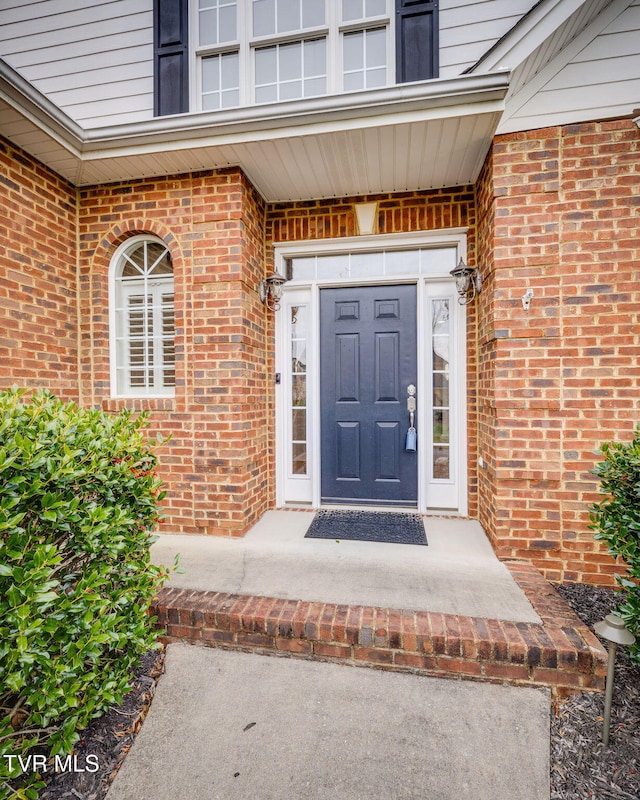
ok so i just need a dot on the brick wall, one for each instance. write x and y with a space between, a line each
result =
38 316
216 465
558 213
397 213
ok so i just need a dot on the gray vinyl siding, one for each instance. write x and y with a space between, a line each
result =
94 61
536 62
599 81
468 29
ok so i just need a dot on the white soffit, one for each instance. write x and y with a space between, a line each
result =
415 136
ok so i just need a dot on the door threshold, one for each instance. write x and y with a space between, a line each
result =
383 509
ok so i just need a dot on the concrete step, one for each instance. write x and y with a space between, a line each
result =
561 653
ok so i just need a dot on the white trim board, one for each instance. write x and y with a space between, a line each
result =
441 496
515 103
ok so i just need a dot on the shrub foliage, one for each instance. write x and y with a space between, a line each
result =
78 497
616 520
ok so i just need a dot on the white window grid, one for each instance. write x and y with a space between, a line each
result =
143 325
245 45
298 325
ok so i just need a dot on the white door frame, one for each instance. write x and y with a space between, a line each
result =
434 496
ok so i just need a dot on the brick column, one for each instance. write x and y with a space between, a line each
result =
556 215
217 466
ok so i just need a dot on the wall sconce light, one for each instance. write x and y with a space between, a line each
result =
270 290
468 282
613 630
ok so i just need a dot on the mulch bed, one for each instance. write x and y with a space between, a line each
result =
108 738
581 766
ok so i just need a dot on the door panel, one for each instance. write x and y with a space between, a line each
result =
347 373
367 361
387 451
348 450
387 368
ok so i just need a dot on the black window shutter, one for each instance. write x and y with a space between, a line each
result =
416 40
171 57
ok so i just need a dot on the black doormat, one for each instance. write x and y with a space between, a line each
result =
368 526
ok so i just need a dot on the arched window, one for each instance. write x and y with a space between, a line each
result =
142 319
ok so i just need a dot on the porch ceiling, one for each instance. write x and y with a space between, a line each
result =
417 136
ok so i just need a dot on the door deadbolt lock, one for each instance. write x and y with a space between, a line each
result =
411 399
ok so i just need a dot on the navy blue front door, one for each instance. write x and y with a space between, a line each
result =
367 362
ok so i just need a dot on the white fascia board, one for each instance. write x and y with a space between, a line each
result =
22 96
527 35
428 99
421 101
575 46
146 147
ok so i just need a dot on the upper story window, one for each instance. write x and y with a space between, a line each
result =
245 52
264 51
142 319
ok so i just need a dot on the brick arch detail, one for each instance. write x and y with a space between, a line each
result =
125 229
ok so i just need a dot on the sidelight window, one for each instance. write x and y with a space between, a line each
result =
299 334
440 396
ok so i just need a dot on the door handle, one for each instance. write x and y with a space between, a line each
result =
411 403
411 439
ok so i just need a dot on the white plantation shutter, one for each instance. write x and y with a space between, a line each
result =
144 321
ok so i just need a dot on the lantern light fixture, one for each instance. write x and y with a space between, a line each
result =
468 282
270 290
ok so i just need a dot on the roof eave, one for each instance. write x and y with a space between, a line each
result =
542 19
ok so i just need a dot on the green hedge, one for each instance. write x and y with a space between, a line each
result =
78 498
616 521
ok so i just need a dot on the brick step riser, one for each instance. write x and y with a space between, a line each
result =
427 661
561 653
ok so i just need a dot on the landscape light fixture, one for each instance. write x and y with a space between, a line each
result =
468 282
612 629
270 290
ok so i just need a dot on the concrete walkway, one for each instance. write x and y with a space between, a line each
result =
457 573
238 726
231 725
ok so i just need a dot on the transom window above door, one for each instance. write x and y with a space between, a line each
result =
263 51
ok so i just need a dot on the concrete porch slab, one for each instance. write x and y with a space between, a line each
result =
457 573
449 610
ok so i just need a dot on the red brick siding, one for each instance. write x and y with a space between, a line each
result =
216 465
559 211
397 213
38 317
